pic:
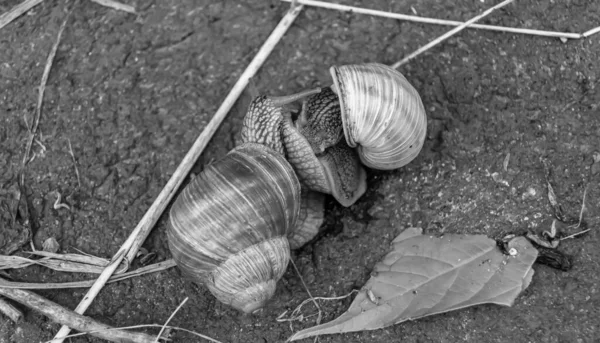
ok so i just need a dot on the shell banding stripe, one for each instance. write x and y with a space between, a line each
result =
235 203
229 275
381 113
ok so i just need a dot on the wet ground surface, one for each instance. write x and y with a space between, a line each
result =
130 94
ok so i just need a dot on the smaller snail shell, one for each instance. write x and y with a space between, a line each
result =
382 114
228 228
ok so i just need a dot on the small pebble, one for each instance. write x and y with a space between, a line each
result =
530 193
51 245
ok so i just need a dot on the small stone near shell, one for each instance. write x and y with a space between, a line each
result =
50 245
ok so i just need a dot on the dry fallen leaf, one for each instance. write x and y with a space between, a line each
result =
426 275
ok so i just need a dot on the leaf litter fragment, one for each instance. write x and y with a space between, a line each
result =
425 275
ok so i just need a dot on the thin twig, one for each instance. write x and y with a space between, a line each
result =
43 82
436 21
170 317
115 5
583 207
145 326
308 291
141 231
449 34
591 32
64 316
17 11
74 163
34 126
10 311
294 315
575 234
581 212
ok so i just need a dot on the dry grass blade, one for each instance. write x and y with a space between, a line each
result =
140 232
44 81
115 5
449 34
34 125
60 262
64 316
170 317
435 21
74 164
17 11
81 284
146 326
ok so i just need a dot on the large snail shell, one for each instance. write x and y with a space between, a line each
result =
382 113
228 228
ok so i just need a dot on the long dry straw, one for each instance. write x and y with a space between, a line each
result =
17 11
141 231
449 33
435 21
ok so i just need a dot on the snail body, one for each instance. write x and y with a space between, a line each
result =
320 121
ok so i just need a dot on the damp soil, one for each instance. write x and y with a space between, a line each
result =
129 95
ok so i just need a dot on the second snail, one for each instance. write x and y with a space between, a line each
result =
232 227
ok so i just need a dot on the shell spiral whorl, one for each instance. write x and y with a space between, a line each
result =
228 228
382 114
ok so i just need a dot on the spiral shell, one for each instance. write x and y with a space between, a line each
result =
228 228
382 114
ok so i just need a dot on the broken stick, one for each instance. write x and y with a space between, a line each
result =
79 322
10 311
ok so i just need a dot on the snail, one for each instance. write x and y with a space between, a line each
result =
377 111
233 225
382 114
228 228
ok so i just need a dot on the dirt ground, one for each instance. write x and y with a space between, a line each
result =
131 94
